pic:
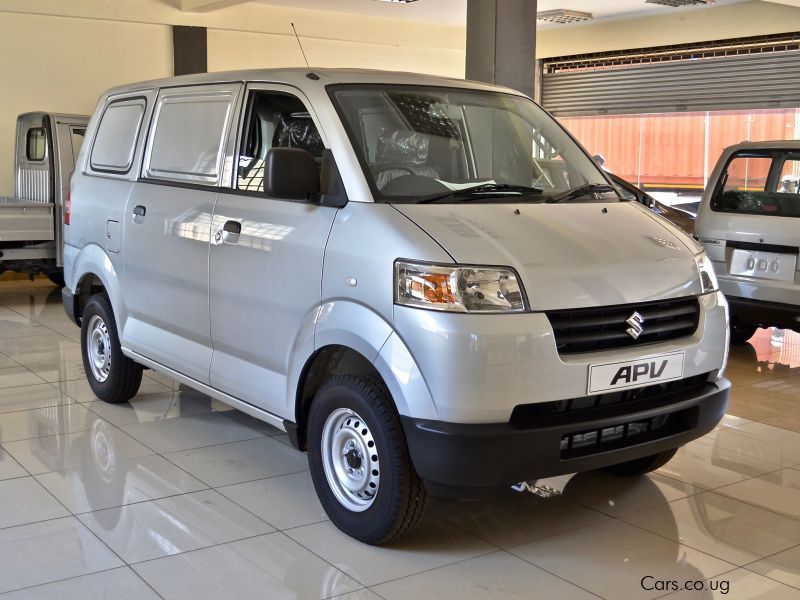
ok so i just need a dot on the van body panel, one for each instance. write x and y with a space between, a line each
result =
567 255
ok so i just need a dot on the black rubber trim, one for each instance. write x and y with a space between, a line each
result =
765 314
292 432
70 306
496 454
763 247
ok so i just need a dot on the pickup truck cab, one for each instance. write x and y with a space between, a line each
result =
749 223
31 233
426 282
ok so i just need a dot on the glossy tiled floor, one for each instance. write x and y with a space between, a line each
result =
177 496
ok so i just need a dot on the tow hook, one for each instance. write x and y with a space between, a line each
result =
544 488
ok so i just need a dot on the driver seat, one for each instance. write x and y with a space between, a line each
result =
402 152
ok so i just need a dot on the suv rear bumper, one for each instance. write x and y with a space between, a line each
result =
768 314
498 454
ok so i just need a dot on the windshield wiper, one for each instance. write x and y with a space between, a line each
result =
484 190
582 190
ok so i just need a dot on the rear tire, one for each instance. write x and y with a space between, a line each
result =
741 332
359 461
112 376
641 466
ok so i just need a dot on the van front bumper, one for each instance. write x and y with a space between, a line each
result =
455 455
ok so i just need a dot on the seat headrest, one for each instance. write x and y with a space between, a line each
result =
297 131
402 147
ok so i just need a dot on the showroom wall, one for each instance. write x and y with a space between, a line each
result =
83 48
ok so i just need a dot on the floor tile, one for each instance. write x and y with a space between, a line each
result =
237 462
10 468
183 433
433 544
783 567
62 363
134 480
32 396
101 446
24 500
362 594
51 420
498 575
160 406
707 465
12 377
147 530
49 551
611 558
615 495
779 492
271 566
734 531
114 584
283 502
513 518
79 390
740 584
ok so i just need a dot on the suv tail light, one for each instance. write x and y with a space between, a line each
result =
68 208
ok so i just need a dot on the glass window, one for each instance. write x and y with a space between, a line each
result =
189 136
115 141
763 183
76 139
275 120
36 146
417 143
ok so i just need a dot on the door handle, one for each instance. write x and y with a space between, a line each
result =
229 234
139 211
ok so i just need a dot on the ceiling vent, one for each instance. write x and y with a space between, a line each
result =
562 15
680 3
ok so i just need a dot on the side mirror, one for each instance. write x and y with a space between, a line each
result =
290 173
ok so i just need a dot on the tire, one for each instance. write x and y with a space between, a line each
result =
57 277
357 412
641 466
741 332
112 376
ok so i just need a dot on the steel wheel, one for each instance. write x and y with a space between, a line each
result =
350 459
98 345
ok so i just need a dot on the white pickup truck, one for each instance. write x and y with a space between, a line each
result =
31 222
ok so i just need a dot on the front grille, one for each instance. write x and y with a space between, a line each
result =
608 405
593 329
614 437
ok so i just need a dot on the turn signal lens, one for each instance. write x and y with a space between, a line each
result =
708 278
458 288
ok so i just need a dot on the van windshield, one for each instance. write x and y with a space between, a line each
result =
419 144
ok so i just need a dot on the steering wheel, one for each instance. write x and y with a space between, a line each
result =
380 169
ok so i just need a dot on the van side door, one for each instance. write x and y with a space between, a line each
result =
167 227
265 278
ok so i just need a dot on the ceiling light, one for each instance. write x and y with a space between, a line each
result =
562 15
680 3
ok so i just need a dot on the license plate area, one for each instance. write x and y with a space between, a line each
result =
763 265
635 373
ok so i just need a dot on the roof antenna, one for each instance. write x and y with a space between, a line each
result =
297 37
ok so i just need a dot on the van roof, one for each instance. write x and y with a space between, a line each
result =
766 145
299 77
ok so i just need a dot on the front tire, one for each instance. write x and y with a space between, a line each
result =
642 466
112 376
359 461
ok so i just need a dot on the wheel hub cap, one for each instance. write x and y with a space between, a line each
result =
98 348
350 459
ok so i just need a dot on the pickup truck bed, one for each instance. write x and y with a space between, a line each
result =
25 220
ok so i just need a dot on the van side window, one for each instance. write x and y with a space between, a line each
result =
115 141
274 120
36 144
189 136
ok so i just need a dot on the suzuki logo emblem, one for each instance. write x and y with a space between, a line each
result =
635 321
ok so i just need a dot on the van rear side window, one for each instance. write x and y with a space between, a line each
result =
115 141
189 135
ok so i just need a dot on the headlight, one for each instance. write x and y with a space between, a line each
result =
708 278
457 288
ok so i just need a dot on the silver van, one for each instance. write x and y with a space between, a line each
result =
748 223
426 282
